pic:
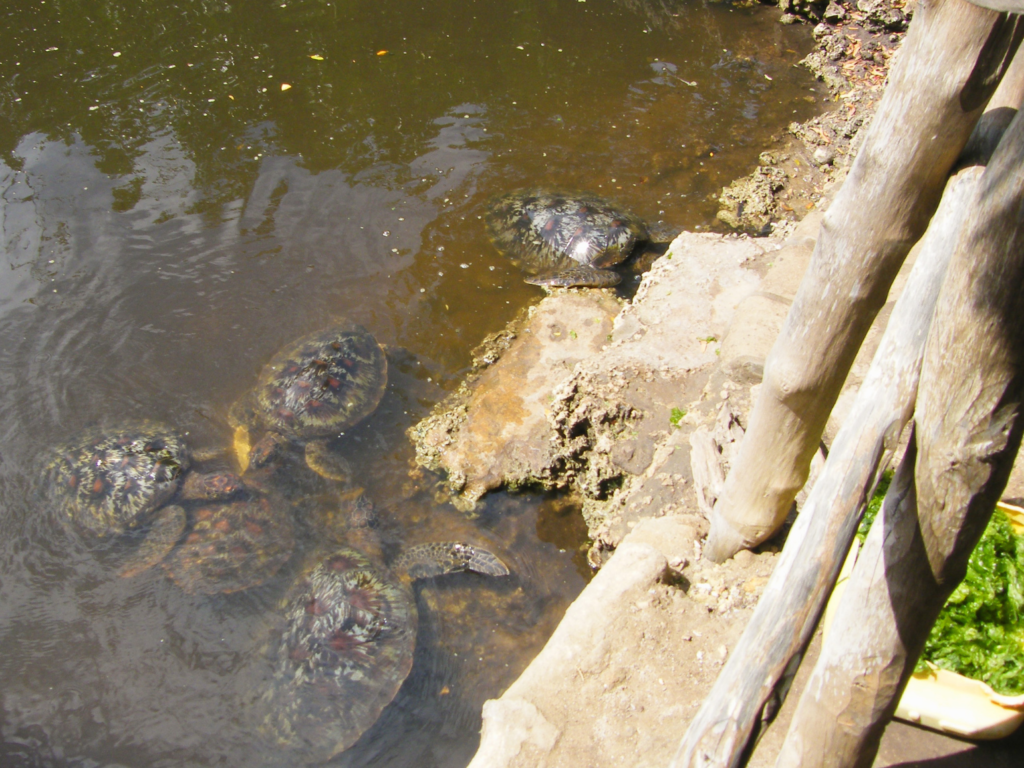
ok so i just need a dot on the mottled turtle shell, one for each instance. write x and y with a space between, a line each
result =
234 544
318 386
564 239
347 647
109 481
348 642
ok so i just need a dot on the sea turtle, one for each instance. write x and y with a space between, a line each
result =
309 393
106 482
349 632
564 240
231 537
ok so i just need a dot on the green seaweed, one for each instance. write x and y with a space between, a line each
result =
980 631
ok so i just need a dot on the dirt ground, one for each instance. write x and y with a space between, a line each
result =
622 399
620 689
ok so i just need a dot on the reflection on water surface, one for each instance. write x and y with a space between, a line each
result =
172 214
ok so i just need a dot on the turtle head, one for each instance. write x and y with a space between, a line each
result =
214 486
267 450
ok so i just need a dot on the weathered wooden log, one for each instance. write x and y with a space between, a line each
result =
968 429
747 692
778 661
952 60
1010 6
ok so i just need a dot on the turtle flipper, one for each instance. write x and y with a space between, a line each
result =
326 462
163 534
423 561
577 277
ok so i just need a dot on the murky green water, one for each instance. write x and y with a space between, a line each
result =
172 214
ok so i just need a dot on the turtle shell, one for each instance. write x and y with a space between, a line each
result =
551 232
109 481
233 544
347 647
320 385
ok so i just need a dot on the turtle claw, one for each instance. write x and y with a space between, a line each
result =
577 277
241 446
163 534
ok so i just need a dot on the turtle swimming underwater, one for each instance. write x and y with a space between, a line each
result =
348 638
309 393
235 537
564 240
106 482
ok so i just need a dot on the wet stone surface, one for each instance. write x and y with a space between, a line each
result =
854 43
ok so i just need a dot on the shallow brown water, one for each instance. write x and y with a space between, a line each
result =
171 216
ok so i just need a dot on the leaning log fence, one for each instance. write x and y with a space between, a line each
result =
941 168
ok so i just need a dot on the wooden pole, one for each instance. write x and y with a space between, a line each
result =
952 60
747 690
968 430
